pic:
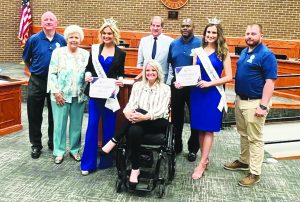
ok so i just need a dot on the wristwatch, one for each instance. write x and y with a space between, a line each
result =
263 107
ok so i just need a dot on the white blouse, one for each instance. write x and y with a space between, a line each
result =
154 99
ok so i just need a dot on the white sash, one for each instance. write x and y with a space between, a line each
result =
211 72
111 103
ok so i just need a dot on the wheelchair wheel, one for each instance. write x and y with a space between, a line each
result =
121 159
119 185
171 154
160 190
171 167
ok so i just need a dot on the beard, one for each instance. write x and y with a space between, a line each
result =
252 43
187 36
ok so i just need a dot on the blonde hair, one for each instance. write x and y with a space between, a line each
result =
73 29
157 67
112 24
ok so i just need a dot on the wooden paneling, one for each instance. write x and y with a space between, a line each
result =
287 47
290 48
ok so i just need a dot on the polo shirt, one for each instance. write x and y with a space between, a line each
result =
253 68
180 52
38 50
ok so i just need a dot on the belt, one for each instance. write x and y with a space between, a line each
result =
248 98
42 76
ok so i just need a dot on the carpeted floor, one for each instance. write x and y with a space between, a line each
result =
25 179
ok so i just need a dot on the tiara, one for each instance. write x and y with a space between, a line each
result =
110 21
214 21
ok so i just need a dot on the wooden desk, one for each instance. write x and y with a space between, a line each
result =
10 105
131 56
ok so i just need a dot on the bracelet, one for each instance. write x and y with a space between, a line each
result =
263 107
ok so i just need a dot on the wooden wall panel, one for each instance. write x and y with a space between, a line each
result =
291 48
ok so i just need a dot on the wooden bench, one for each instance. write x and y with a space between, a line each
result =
291 48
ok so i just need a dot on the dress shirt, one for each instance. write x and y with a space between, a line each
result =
162 50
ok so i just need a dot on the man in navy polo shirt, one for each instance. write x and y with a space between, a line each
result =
254 85
37 54
180 55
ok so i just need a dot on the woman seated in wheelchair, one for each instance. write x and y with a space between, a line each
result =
146 111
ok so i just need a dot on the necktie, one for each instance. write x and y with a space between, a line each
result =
154 48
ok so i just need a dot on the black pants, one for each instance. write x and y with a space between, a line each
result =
37 87
136 133
180 97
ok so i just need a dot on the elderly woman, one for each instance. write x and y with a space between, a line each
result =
65 83
106 61
146 111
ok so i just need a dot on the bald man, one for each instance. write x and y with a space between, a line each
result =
37 54
180 55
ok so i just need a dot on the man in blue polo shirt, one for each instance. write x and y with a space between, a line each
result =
180 55
37 54
254 85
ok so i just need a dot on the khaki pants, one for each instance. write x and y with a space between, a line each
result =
250 128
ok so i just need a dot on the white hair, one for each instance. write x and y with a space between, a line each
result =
73 29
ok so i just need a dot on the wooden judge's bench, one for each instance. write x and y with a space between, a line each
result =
10 105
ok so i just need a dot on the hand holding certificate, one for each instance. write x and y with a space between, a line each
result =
102 87
188 75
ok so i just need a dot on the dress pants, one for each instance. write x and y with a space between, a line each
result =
74 111
136 133
97 110
37 87
180 97
250 128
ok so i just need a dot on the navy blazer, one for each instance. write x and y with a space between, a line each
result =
116 69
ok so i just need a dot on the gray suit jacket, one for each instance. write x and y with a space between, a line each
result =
162 51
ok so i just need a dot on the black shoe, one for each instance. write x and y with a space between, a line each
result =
35 153
132 186
192 156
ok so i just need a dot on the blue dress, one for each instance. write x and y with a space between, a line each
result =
205 115
98 110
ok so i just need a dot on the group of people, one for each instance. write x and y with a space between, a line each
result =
61 72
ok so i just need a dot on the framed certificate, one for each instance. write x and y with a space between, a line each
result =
102 87
188 75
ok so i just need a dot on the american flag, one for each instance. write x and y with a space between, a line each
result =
25 22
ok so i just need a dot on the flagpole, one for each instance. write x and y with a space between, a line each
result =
25 24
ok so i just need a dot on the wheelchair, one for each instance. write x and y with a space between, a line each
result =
158 161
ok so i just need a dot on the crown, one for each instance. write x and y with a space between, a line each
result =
110 21
214 21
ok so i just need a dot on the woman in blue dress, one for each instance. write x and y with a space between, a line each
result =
207 97
106 61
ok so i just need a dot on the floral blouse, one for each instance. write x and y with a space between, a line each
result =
66 73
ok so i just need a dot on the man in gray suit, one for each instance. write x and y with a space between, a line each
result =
155 46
